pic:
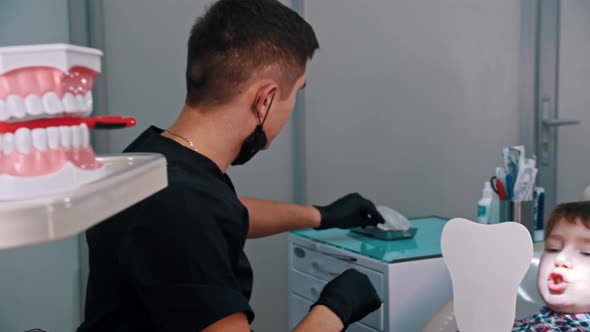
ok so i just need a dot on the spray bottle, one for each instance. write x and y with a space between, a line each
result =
485 203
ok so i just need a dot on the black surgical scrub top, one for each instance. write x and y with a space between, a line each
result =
175 261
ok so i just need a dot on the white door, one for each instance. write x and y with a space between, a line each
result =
573 166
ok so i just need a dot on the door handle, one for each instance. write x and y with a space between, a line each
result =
300 253
549 121
555 122
321 269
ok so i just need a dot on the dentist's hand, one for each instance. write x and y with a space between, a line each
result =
351 296
352 210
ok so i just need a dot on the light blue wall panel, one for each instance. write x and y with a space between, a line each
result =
39 285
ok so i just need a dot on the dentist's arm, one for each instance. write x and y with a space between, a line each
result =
269 217
344 300
319 319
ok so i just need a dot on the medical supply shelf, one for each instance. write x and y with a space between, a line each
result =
129 178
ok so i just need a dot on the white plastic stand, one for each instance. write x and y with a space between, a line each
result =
129 179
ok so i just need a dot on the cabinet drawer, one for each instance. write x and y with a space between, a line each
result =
310 288
299 308
326 268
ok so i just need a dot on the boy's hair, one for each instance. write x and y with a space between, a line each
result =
235 39
571 212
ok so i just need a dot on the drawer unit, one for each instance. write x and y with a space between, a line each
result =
310 288
326 268
409 275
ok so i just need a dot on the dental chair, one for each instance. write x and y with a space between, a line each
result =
486 301
528 301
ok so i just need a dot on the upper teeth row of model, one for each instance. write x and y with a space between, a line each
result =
24 139
17 107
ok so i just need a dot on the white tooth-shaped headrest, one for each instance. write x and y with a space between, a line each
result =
486 264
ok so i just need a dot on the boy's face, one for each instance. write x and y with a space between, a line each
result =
564 270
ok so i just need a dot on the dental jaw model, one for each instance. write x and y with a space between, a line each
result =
45 99
51 184
486 264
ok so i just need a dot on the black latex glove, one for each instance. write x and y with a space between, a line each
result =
351 296
352 210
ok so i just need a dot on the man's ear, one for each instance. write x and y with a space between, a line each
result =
263 99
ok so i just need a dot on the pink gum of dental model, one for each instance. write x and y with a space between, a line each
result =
37 163
40 80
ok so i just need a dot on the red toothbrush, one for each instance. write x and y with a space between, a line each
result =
95 122
501 191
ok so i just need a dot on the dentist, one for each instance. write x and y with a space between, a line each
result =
176 261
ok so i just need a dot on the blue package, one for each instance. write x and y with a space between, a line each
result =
539 212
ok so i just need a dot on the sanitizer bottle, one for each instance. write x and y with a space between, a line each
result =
485 203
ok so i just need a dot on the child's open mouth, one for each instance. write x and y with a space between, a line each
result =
557 283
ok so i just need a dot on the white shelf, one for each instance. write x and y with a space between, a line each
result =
129 179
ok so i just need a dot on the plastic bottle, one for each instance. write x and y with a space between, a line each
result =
494 214
484 204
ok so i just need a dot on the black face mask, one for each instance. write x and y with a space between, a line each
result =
253 143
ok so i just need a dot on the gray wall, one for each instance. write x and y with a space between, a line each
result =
574 100
411 100
144 71
39 285
33 22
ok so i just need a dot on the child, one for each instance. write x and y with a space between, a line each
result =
563 280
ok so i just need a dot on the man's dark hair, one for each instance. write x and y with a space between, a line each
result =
238 38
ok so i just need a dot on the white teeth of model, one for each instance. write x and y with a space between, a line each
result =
65 136
53 137
1 146
15 106
39 139
85 135
76 137
8 143
70 103
34 106
52 103
3 112
88 97
82 102
486 264
23 140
